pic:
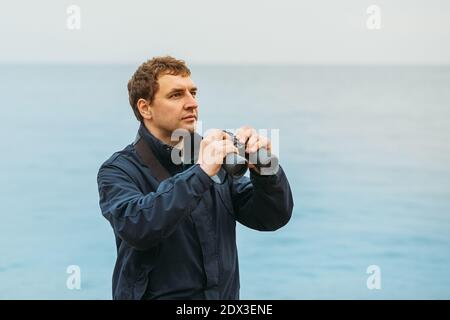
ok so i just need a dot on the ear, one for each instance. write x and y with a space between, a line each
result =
144 109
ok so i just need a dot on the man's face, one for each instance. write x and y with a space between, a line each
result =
174 105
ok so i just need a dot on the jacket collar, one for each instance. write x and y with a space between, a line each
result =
164 151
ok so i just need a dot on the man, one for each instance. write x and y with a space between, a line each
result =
175 223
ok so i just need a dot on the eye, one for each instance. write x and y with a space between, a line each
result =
194 93
176 95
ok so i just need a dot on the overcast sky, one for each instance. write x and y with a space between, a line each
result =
231 31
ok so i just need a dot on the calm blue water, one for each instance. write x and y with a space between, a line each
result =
366 149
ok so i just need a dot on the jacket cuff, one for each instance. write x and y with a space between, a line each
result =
262 180
205 181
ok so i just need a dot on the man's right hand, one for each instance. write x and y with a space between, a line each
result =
213 149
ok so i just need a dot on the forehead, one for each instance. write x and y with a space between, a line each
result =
168 82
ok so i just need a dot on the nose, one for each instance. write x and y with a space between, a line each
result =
191 102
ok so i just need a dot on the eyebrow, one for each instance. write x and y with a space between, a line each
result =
175 90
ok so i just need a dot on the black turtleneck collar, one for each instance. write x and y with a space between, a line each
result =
163 151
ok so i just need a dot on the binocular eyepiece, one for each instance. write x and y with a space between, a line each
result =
236 164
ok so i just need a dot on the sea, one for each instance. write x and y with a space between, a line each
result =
366 150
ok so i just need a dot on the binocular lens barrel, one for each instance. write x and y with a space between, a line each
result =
236 164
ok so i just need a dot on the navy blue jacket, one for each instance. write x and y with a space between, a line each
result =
177 240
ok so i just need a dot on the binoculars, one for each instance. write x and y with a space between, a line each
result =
236 164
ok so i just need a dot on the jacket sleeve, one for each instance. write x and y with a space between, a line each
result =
143 220
262 202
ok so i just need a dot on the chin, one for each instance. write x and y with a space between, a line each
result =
188 127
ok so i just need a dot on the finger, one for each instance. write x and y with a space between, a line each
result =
219 146
219 135
244 133
239 132
209 137
264 142
252 144
215 134
208 154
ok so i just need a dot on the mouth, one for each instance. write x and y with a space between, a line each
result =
189 118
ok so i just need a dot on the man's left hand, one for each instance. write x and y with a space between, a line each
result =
249 135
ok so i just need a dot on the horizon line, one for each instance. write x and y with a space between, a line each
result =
224 64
